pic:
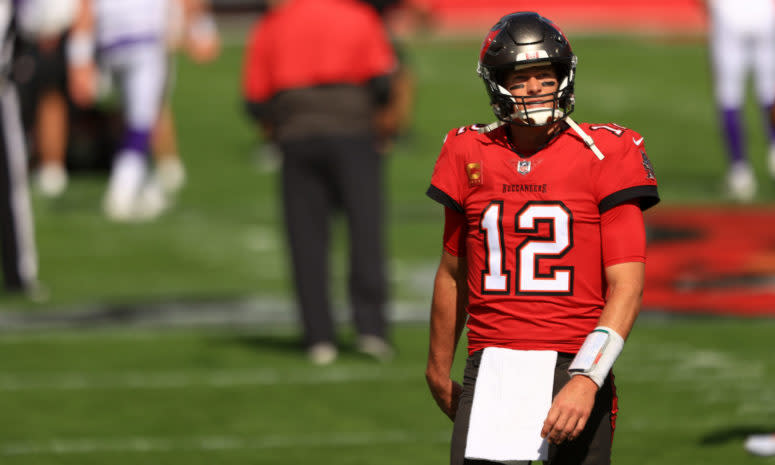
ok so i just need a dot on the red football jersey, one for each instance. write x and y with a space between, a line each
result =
308 43
533 248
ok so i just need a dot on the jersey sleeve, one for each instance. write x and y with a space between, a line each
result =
445 185
623 234
454 232
626 174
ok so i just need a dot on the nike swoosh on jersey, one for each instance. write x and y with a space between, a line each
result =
637 142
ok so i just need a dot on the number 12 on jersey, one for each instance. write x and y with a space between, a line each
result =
535 248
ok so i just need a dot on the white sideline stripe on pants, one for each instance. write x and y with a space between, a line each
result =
185 380
215 443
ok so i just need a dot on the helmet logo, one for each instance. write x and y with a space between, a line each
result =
487 42
536 55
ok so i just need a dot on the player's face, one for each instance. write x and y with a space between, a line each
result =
531 86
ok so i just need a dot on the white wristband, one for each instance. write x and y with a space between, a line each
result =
597 355
80 49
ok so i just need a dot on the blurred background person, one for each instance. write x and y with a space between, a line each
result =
742 39
192 30
190 27
316 73
36 20
62 137
42 79
128 40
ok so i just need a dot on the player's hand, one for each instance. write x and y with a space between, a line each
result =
570 410
203 42
82 83
203 50
446 393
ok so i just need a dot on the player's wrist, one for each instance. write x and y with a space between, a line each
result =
586 379
597 355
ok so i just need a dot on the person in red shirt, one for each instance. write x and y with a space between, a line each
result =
316 73
544 245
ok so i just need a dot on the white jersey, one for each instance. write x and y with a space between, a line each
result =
132 50
124 22
742 39
743 15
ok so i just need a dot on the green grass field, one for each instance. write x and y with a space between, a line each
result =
689 390
119 392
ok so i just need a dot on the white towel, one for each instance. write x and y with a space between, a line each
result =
512 397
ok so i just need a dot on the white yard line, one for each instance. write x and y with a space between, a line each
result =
82 381
148 444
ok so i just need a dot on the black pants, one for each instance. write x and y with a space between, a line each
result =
19 256
320 175
592 447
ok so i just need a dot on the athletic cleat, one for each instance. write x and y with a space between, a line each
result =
375 347
151 202
761 444
52 180
322 353
741 183
124 187
171 174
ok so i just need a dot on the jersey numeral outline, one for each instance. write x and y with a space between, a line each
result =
496 278
473 127
614 128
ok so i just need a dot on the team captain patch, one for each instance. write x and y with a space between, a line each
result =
474 171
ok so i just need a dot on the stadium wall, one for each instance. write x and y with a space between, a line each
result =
591 16
470 17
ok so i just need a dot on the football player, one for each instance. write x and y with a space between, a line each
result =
128 39
543 255
742 40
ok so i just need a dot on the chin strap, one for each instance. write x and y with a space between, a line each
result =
585 137
491 127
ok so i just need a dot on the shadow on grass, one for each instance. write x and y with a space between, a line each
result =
291 342
273 342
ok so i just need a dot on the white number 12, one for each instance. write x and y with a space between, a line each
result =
496 279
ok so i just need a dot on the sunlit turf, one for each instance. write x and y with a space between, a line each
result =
689 392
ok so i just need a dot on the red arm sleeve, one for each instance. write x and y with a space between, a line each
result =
623 234
454 232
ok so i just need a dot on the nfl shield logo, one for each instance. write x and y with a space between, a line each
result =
523 167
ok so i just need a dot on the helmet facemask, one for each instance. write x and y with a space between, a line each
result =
511 109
